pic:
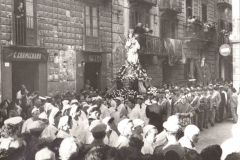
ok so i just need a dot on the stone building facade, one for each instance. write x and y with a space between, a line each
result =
80 40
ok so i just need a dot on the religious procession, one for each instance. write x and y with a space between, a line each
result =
119 80
120 124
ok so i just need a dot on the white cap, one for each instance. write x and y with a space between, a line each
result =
43 115
147 128
65 102
42 98
74 101
35 109
137 122
13 121
122 124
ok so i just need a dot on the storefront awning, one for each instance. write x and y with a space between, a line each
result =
30 54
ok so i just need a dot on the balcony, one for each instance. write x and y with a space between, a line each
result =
224 4
198 33
174 6
150 45
24 31
147 2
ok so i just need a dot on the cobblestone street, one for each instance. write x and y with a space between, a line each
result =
215 135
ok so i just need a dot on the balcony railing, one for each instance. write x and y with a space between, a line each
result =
150 44
148 2
24 31
197 31
171 5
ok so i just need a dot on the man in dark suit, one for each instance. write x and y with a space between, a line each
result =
155 114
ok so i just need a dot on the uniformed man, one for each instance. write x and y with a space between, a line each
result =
214 101
202 107
141 106
195 104
208 95
165 104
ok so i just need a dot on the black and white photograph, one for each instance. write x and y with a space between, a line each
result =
119 79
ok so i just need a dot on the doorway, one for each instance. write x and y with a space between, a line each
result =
24 73
93 74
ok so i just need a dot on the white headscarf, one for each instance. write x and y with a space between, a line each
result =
52 115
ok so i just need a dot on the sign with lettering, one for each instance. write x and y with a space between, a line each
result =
25 54
95 58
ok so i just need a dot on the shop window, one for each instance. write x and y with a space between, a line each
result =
91 21
204 13
189 9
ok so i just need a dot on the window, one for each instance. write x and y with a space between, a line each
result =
168 28
139 17
91 14
204 13
189 9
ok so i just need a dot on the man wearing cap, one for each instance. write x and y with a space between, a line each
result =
165 104
195 103
149 133
98 130
202 108
183 106
133 112
111 133
171 131
208 95
223 102
35 113
214 101
125 128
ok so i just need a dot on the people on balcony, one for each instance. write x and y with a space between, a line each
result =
19 20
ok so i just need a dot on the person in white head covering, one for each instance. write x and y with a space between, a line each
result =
191 137
141 107
110 131
138 125
45 154
125 128
66 110
97 102
51 130
121 111
149 133
64 126
68 149
35 113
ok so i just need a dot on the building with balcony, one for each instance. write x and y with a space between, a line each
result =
56 46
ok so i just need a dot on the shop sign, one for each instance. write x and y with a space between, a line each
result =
25 54
225 50
95 58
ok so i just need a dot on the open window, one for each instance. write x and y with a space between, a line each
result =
189 9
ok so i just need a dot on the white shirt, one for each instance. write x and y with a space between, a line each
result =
25 125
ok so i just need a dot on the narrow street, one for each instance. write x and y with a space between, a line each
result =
215 135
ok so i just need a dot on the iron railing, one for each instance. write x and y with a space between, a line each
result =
150 2
150 44
175 5
24 30
197 30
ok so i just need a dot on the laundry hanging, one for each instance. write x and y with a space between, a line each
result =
173 48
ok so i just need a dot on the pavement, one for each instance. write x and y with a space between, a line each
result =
215 135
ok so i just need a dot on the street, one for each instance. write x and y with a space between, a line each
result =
215 135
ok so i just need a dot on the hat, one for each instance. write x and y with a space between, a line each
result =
93 116
13 121
140 97
147 128
137 122
36 126
74 101
45 153
63 122
97 127
65 102
170 126
73 110
220 86
42 98
34 110
47 97
65 107
122 124
210 85
48 106
107 119
118 98
43 115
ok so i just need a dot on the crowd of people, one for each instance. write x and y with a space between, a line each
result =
164 124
